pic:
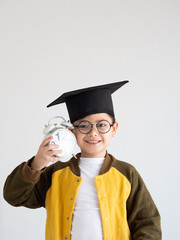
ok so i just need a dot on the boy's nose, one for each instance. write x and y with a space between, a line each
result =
94 130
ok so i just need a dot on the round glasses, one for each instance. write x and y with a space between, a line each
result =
102 126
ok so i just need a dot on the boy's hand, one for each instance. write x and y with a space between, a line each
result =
45 154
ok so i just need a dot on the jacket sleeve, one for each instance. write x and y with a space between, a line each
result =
143 216
20 187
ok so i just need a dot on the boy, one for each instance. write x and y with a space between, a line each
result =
92 196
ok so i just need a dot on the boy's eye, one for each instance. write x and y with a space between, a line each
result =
83 126
102 125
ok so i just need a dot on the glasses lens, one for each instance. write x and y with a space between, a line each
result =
84 127
103 126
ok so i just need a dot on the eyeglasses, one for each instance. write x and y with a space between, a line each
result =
102 126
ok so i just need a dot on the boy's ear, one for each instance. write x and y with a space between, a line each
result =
115 127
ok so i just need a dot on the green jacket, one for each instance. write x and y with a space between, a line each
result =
127 209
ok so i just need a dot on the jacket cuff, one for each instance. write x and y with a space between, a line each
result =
28 173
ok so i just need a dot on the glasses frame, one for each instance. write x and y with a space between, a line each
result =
96 124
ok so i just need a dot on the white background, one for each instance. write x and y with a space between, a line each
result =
49 47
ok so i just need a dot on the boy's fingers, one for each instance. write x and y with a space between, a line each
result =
54 153
46 141
54 159
49 147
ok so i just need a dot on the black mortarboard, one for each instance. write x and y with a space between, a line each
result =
86 101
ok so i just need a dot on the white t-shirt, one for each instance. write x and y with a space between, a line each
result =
86 223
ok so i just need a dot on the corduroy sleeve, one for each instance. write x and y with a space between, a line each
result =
143 216
20 187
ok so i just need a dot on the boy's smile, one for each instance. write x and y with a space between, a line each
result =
94 143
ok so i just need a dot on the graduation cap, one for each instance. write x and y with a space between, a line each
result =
83 102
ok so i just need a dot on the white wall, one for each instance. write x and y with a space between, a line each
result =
49 47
